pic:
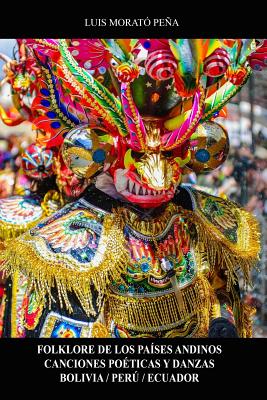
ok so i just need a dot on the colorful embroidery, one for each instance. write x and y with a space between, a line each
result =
227 234
145 273
159 312
73 232
220 214
32 309
58 326
19 286
19 210
76 253
18 214
2 311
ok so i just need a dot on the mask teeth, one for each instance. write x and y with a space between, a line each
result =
137 188
131 186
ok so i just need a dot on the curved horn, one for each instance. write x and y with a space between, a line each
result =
103 98
175 138
10 119
134 121
5 58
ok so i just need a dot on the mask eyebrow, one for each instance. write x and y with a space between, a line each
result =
167 153
137 154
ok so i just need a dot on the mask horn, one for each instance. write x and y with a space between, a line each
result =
134 123
175 138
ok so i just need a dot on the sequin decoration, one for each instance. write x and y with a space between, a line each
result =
145 275
19 287
19 210
73 232
219 213
32 310
65 330
59 326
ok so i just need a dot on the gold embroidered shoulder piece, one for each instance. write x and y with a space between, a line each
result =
75 250
20 213
17 214
228 235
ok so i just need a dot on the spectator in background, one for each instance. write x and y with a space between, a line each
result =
242 178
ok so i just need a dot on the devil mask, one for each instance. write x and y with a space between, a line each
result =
141 110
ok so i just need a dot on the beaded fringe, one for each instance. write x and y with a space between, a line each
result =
43 275
246 315
221 253
161 312
11 231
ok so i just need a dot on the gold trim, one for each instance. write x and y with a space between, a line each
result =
246 315
52 196
15 280
109 263
91 330
49 326
11 231
185 329
154 226
112 257
161 312
51 320
99 330
223 254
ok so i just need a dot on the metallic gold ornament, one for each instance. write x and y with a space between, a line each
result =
209 147
52 202
155 170
22 82
84 152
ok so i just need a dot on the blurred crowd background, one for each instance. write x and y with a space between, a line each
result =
242 178
13 139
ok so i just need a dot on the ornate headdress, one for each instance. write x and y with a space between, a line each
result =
141 109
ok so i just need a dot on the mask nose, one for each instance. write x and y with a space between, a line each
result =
155 171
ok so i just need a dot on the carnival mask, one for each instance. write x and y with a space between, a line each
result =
132 107
149 178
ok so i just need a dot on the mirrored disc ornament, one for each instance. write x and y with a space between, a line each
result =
209 147
83 152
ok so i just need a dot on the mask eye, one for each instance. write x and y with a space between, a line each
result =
113 63
137 155
167 154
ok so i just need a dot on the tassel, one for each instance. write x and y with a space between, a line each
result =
167 267
109 264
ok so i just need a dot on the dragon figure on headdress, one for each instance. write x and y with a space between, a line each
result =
134 252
